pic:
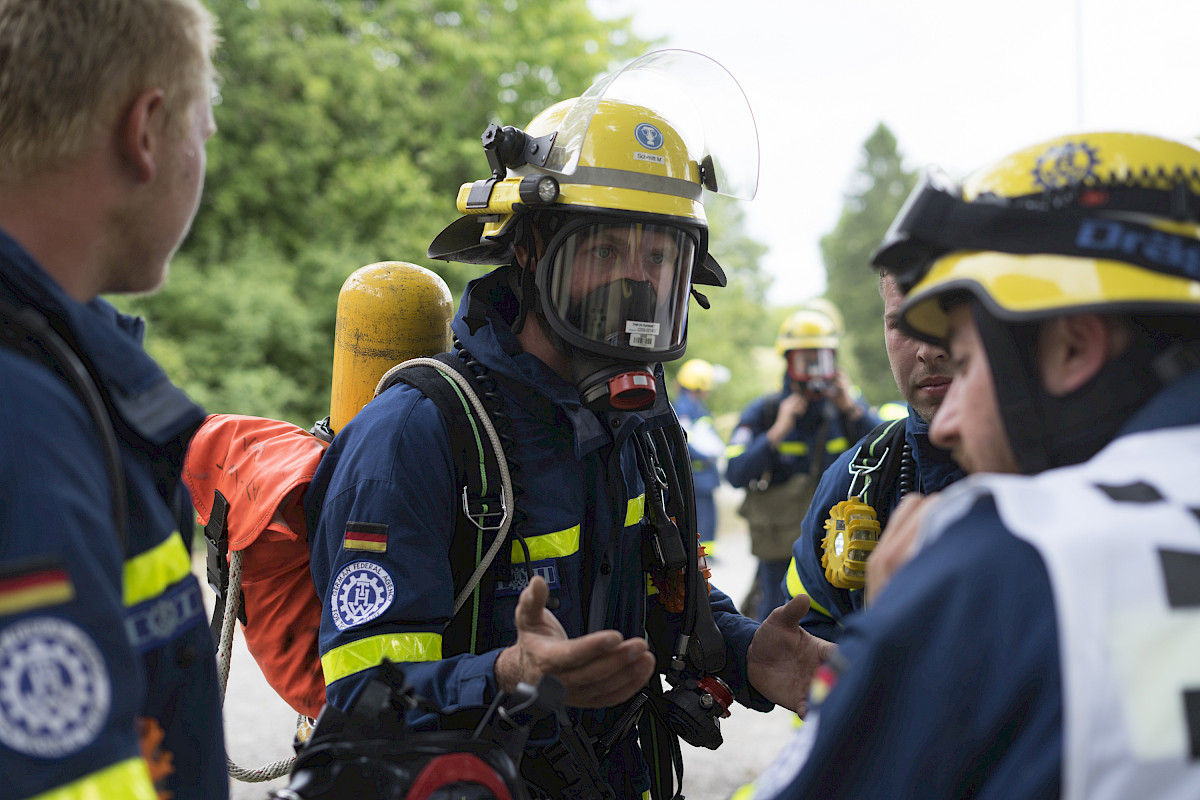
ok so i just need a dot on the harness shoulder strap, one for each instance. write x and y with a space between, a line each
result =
28 332
485 508
877 462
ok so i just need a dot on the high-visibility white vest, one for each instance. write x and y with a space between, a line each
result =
1120 537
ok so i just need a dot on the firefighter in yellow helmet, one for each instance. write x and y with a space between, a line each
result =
593 215
1055 601
696 379
785 439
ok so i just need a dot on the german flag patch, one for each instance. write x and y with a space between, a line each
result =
33 584
365 536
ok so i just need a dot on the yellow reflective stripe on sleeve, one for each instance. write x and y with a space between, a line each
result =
565 543
744 792
548 545
793 448
151 573
837 444
129 780
795 587
635 510
354 657
734 450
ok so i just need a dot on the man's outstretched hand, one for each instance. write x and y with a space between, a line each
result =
599 669
783 656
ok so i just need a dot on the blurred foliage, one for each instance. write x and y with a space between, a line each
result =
877 191
345 130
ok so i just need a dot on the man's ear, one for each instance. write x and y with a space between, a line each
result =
140 135
1071 351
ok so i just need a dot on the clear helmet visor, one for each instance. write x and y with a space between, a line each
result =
703 102
619 290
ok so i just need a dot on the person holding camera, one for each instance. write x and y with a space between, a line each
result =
785 439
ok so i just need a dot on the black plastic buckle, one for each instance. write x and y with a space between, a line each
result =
216 536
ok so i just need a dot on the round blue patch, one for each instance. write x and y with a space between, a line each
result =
55 692
648 136
362 591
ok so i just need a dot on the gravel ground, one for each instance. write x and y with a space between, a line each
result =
259 726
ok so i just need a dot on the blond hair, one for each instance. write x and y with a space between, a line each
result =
68 68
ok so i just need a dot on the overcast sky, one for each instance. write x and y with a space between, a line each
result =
959 82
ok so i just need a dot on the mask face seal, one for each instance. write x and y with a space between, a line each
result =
815 370
617 294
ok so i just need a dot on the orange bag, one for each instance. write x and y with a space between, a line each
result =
262 468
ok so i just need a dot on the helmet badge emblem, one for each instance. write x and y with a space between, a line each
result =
1066 164
648 136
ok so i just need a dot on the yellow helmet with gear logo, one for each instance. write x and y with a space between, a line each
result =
806 330
697 375
640 145
1090 222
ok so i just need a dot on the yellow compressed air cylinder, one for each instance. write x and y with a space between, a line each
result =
387 313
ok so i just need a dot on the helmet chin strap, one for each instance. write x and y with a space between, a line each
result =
1046 431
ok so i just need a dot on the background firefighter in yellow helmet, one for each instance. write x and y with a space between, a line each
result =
784 440
1042 640
594 215
696 378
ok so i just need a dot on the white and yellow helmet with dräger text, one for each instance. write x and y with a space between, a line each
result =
1090 223
638 149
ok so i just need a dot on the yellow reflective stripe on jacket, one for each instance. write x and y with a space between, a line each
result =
565 543
149 574
795 587
548 545
354 657
635 510
734 450
793 448
836 444
129 780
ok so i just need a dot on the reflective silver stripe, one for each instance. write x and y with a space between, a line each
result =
623 179
159 620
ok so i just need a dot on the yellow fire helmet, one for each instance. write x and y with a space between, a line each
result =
1089 222
697 375
806 330
619 171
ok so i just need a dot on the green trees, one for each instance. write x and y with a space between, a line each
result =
877 192
345 130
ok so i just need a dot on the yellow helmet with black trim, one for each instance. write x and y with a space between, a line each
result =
806 330
641 145
1090 222
697 375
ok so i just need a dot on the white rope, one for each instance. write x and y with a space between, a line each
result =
233 598
233 594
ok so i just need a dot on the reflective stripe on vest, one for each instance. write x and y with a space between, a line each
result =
149 574
348 659
129 779
796 587
565 543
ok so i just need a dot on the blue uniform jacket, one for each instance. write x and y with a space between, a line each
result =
751 455
706 474
935 470
92 639
582 500
950 686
